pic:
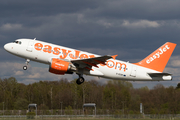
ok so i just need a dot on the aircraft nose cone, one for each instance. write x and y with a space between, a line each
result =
7 47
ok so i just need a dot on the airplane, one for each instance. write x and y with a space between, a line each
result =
63 60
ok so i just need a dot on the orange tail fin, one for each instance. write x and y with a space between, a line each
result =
159 58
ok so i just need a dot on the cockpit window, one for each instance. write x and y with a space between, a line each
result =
17 42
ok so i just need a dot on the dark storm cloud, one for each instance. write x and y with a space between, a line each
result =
140 9
105 24
43 7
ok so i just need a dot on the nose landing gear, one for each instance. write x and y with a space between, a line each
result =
27 62
24 67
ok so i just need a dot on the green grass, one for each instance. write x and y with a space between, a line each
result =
81 119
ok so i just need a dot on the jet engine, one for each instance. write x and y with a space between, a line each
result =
61 67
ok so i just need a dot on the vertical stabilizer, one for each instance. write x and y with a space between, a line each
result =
159 58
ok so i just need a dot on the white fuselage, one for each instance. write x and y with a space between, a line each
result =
43 52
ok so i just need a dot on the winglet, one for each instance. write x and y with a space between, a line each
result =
159 58
114 56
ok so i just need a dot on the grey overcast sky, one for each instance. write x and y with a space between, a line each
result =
130 28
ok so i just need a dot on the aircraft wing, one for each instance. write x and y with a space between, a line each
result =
88 63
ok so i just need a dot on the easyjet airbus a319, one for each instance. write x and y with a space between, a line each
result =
63 60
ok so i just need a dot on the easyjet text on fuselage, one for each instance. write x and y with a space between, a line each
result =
75 54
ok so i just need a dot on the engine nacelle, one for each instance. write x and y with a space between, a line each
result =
60 67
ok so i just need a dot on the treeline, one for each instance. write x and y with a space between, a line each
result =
115 95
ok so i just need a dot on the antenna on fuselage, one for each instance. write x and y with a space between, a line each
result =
34 38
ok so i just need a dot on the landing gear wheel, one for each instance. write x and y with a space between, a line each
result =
27 62
77 82
80 80
24 67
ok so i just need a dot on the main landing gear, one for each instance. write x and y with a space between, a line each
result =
27 62
80 80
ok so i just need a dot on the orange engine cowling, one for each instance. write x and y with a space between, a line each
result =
60 67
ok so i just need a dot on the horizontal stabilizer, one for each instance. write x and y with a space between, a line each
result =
159 74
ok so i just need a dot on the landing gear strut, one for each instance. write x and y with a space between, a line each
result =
80 80
27 62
